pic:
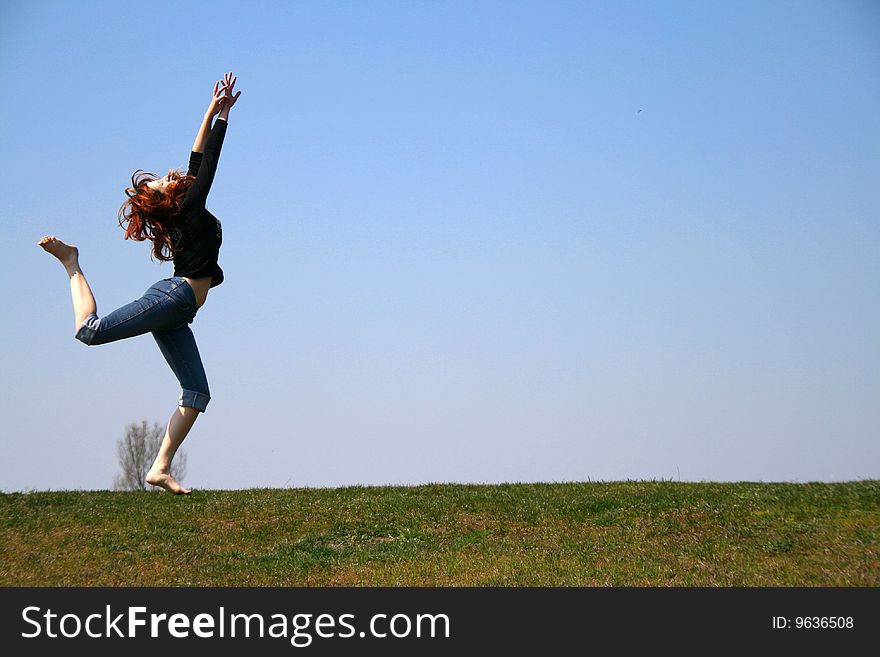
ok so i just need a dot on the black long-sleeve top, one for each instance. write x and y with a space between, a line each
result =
197 234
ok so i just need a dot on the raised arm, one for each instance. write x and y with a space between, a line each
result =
195 157
215 107
206 150
205 165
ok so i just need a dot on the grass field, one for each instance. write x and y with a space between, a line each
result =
634 533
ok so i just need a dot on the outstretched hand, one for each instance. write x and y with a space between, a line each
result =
228 85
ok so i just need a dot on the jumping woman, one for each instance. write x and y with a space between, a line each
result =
171 213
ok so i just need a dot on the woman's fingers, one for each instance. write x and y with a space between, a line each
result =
224 89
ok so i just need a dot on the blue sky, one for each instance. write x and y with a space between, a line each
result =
455 249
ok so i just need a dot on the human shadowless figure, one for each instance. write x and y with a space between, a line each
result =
170 212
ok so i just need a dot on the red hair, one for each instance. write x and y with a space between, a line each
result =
150 213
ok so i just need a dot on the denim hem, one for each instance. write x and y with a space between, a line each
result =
86 332
194 399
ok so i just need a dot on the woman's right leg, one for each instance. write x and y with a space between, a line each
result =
180 350
80 292
179 425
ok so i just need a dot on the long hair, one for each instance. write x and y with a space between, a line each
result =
149 214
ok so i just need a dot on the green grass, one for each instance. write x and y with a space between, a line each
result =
634 533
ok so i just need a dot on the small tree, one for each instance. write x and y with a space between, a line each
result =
137 451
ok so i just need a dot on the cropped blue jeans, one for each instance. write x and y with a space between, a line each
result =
166 310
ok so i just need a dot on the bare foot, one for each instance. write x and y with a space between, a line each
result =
166 481
68 254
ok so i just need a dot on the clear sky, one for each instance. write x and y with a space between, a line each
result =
455 249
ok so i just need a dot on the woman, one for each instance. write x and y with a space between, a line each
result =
171 213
